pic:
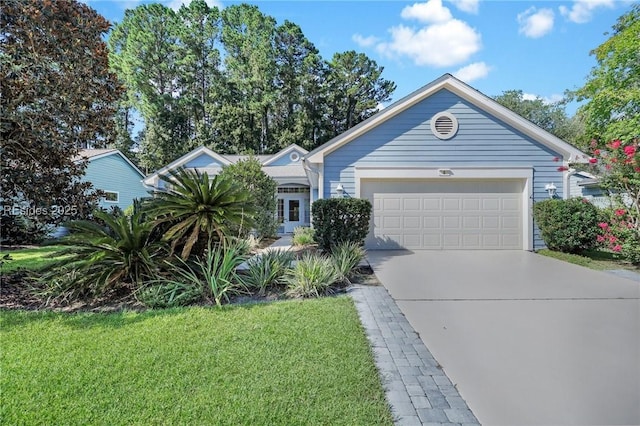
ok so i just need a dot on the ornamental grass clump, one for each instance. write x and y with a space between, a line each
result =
312 276
215 272
346 257
303 236
267 269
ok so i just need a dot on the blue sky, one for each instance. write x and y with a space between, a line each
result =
539 47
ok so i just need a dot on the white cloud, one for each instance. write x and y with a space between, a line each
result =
473 72
469 6
430 12
545 99
175 4
362 41
582 10
440 45
535 23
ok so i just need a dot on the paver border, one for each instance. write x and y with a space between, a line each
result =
417 389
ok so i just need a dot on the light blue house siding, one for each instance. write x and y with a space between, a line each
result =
202 161
113 173
406 140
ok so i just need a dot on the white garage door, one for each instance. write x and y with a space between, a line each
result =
445 215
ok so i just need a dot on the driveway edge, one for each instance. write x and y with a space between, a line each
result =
416 388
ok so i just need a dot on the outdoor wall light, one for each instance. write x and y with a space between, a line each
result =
340 190
445 172
551 189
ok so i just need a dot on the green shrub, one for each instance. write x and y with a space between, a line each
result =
303 236
120 253
312 276
339 220
248 174
215 272
346 257
267 269
569 226
169 294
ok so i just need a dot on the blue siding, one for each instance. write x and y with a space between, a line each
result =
407 140
202 160
113 173
285 160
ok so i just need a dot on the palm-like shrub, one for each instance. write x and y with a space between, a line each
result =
119 250
196 207
267 269
312 276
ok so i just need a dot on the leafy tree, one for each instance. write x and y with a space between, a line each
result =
57 96
355 90
550 116
301 73
612 90
618 167
198 209
250 176
248 37
144 55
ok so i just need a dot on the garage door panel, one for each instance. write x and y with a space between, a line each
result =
422 214
412 204
430 204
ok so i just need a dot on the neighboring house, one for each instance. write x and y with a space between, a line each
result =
112 172
586 185
285 167
446 168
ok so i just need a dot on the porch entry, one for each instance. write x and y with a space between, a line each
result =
293 208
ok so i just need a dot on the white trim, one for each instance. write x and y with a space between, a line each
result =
524 173
283 152
454 128
115 151
320 181
150 180
111 192
466 92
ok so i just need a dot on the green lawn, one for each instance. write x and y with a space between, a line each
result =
291 362
594 259
32 258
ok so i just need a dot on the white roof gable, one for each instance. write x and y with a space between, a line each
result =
448 82
184 160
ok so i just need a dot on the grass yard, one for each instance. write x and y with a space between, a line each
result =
32 258
594 259
284 363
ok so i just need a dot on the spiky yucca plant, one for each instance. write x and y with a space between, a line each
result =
197 207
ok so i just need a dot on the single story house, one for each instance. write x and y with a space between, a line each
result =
285 167
446 167
112 172
586 185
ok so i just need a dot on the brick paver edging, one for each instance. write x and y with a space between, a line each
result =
416 388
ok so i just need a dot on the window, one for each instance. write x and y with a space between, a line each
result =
111 196
280 210
444 125
293 190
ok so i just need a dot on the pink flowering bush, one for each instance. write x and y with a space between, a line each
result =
618 165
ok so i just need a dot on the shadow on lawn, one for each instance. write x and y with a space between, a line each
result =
112 320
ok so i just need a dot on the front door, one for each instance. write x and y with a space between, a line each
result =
293 213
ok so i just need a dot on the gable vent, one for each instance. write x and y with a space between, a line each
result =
444 125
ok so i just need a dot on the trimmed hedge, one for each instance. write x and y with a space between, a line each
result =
340 220
569 226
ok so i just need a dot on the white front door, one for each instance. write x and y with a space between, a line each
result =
293 212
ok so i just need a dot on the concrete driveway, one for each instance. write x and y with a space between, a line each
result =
526 338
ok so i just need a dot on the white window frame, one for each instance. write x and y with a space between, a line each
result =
117 200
